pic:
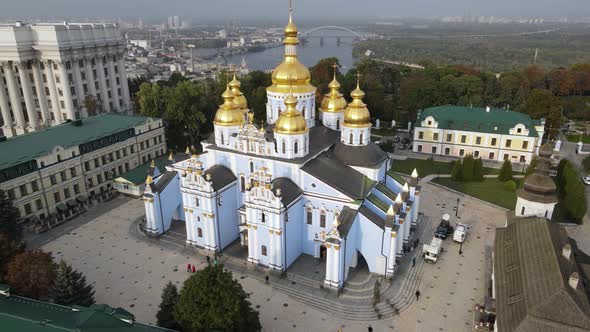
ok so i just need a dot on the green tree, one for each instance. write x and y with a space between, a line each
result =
185 105
8 218
560 177
543 104
8 249
478 170
468 163
531 168
151 100
212 299
574 199
586 164
505 171
165 315
31 274
457 171
70 287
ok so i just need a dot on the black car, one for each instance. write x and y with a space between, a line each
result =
443 229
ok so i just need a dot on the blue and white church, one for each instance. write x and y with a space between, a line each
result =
294 186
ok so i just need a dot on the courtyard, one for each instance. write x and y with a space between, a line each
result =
129 271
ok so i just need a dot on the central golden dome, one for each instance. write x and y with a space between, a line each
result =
239 99
356 113
333 102
290 121
228 114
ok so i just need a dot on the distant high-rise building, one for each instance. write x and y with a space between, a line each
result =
48 70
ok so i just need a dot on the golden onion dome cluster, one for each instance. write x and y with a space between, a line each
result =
228 113
291 121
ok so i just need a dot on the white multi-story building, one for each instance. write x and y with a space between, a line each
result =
48 70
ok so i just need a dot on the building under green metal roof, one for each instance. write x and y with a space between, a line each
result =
478 119
27 147
21 314
139 174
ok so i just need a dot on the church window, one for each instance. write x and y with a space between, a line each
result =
323 220
197 201
522 211
303 111
251 167
284 147
296 147
350 139
263 217
263 251
309 217
243 184
546 213
361 139
199 232
338 124
221 138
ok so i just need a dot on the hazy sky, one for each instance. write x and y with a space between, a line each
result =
275 10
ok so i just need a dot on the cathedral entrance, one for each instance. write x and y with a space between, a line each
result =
323 252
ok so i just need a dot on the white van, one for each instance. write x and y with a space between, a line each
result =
432 251
460 233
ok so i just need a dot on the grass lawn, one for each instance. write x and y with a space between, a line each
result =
490 190
383 131
426 167
576 138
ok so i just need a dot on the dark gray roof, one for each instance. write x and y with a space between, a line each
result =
343 178
372 216
162 181
320 139
346 219
289 190
369 155
221 176
531 276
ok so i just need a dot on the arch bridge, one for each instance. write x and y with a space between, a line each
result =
332 27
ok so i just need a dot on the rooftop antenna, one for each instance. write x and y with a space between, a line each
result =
335 66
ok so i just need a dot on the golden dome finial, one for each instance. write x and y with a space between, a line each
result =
357 114
228 114
333 101
153 163
149 180
171 156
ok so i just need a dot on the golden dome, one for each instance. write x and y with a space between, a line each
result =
333 101
356 113
239 99
228 114
290 121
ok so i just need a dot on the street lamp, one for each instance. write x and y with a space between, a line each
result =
457 210
461 244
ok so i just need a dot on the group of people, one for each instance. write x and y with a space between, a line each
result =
192 268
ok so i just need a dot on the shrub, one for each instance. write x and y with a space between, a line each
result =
505 171
510 185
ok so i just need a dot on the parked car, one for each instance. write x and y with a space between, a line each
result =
432 251
444 228
460 233
586 179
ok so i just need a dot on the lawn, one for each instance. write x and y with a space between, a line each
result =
576 138
383 131
428 166
489 190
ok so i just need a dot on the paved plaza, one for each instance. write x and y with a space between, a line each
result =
130 271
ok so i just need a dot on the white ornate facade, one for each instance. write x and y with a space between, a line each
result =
47 71
291 187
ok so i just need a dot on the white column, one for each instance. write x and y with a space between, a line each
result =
190 221
38 77
279 252
79 87
124 82
329 262
104 96
14 94
392 252
399 241
70 112
211 229
4 107
407 224
28 95
113 82
55 106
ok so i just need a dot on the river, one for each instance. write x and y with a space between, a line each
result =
309 53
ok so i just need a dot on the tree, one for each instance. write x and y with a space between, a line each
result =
541 103
31 274
8 218
70 288
185 105
468 164
212 299
505 171
478 170
91 104
8 249
531 168
561 82
151 100
165 315
586 164
574 194
457 171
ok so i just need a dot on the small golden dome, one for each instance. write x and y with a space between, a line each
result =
290 28
149 180
239 99
228 114
290 121
333 101
356 113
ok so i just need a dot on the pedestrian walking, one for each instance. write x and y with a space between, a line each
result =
188 267
194 270
208 259
370 328
417 295
266 278
414 261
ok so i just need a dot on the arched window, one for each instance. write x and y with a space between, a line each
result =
350 139
303 111
296 147
361 139
243 183
199 232
284 147
338 124
263 251
251 167
522 211
263 217
221 138
323 219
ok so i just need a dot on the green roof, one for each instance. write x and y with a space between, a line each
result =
140 173
27 315
378 202
497 120
27 147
